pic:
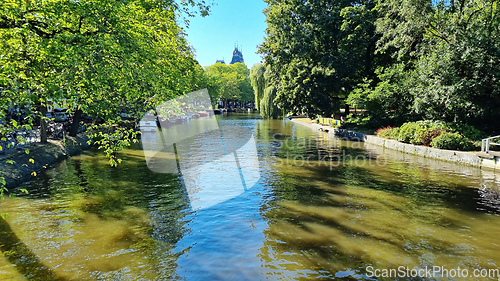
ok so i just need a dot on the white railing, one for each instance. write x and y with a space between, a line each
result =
485 144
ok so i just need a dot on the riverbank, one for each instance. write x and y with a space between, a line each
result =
313 125
461 157
41 157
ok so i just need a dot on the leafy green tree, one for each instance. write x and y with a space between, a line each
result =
99 56
258 82
397 59
230 82
444 61
318 51
246 91
264 91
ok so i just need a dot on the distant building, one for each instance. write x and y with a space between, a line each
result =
237 56
220 61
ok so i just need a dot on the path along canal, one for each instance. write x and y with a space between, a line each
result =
321 209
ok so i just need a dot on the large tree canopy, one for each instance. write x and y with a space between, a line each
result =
409 59
229 82
446 66
317 50
99 56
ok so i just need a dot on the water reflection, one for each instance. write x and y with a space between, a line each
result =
86 221
335 221
321 220
209 159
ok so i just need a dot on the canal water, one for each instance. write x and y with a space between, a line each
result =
300 205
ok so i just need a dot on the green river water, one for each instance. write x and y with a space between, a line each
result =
321 209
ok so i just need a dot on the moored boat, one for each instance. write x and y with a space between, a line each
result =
148 124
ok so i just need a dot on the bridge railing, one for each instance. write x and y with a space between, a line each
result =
485 144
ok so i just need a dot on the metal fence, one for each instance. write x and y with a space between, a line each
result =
486 143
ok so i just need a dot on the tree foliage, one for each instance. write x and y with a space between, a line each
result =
410 59
317 50
99 56
264 91
229 82
447 54
258 82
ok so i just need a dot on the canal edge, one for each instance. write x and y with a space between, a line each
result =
460 157
26 166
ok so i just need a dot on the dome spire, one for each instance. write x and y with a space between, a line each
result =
237 54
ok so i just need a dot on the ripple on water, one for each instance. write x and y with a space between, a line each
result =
319 219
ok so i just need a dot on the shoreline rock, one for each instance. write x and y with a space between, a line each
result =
40 158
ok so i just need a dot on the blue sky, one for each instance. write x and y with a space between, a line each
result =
230 22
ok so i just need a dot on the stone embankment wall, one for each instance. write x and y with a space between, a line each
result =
462 157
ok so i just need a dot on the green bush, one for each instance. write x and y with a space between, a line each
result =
428 136
428 129
385 132
394 133
451 141
467 131
414 132
407 132
434 133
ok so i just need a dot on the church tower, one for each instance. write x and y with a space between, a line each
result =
237 56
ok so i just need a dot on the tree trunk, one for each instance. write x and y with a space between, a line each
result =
76 123
347 109
43 125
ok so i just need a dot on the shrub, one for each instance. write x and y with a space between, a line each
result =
434 133
385 132
394 133
406 132
432 124
410 132
413 132
428 136
467 131
451 141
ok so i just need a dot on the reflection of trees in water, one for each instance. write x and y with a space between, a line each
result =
322 222
151 206
291 143
490 197
161 196
25 261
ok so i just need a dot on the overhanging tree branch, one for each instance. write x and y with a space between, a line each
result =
40 28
